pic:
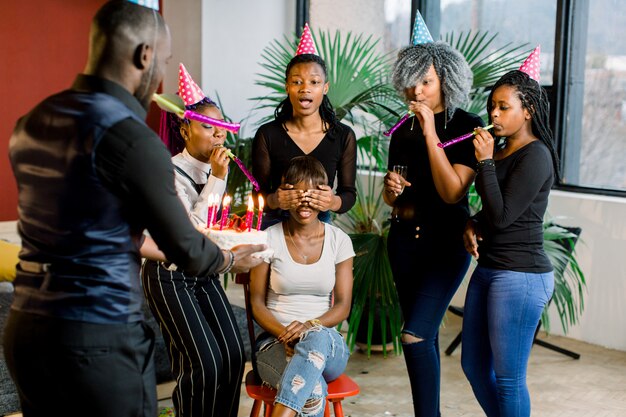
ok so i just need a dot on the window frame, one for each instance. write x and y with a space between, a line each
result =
567 90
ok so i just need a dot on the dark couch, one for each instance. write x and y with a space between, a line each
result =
8 396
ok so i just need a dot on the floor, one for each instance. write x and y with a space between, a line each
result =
594 385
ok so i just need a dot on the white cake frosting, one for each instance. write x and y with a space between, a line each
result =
229 238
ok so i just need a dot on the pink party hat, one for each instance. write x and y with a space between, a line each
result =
420 31
531 64
188 90
307 45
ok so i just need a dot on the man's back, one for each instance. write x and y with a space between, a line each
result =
70 223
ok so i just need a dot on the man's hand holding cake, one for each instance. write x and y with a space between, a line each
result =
241 258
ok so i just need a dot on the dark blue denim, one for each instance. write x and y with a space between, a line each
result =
502 310
427 272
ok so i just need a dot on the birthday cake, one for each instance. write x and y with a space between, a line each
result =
237 233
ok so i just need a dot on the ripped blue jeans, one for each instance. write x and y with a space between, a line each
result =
319 357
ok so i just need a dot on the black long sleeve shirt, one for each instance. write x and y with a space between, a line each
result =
514 194
134 164
273 148
408 147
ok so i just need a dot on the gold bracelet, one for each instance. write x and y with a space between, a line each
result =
315 322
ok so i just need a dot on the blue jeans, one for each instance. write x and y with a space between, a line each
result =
427 273
321 355
502 310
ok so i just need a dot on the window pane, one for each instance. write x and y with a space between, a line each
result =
529 22
397 25
603 147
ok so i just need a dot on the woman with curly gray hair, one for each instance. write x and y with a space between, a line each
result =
430 205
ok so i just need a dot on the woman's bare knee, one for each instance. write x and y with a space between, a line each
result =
409 338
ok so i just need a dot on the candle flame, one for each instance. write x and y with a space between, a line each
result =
250 203
226 201
261 202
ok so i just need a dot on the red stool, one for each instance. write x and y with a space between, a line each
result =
338 389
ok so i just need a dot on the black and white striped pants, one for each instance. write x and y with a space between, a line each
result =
205 347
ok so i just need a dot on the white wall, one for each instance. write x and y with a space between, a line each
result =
602 256
362 16
184 24
234 34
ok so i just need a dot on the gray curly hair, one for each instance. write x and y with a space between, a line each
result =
451 67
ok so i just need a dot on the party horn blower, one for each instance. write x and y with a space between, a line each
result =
192 115
243 168
170 103
174 104
398 124
462 137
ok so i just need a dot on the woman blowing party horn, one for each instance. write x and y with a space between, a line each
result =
429 203
205 347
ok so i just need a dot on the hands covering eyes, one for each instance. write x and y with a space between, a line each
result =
319 198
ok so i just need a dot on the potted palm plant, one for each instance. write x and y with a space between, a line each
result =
569 279
375 305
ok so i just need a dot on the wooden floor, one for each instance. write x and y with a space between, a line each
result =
594 385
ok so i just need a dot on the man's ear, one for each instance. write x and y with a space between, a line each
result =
142 56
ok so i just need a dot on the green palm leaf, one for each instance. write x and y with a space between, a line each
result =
374 298
487 62
569 279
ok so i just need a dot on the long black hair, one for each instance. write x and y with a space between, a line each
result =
284 111
534 99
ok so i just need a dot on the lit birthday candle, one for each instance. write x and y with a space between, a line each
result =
225 212
211 209
250 213
258 221
216 202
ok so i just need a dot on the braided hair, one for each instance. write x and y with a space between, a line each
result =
284 111
169 129
454 73
534 99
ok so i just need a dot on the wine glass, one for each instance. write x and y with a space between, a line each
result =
402 171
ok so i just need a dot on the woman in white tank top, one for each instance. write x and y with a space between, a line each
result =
299 296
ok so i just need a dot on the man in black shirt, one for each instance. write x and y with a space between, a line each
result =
91 178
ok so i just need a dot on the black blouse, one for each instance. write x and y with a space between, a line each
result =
515 197
273 149
408 147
